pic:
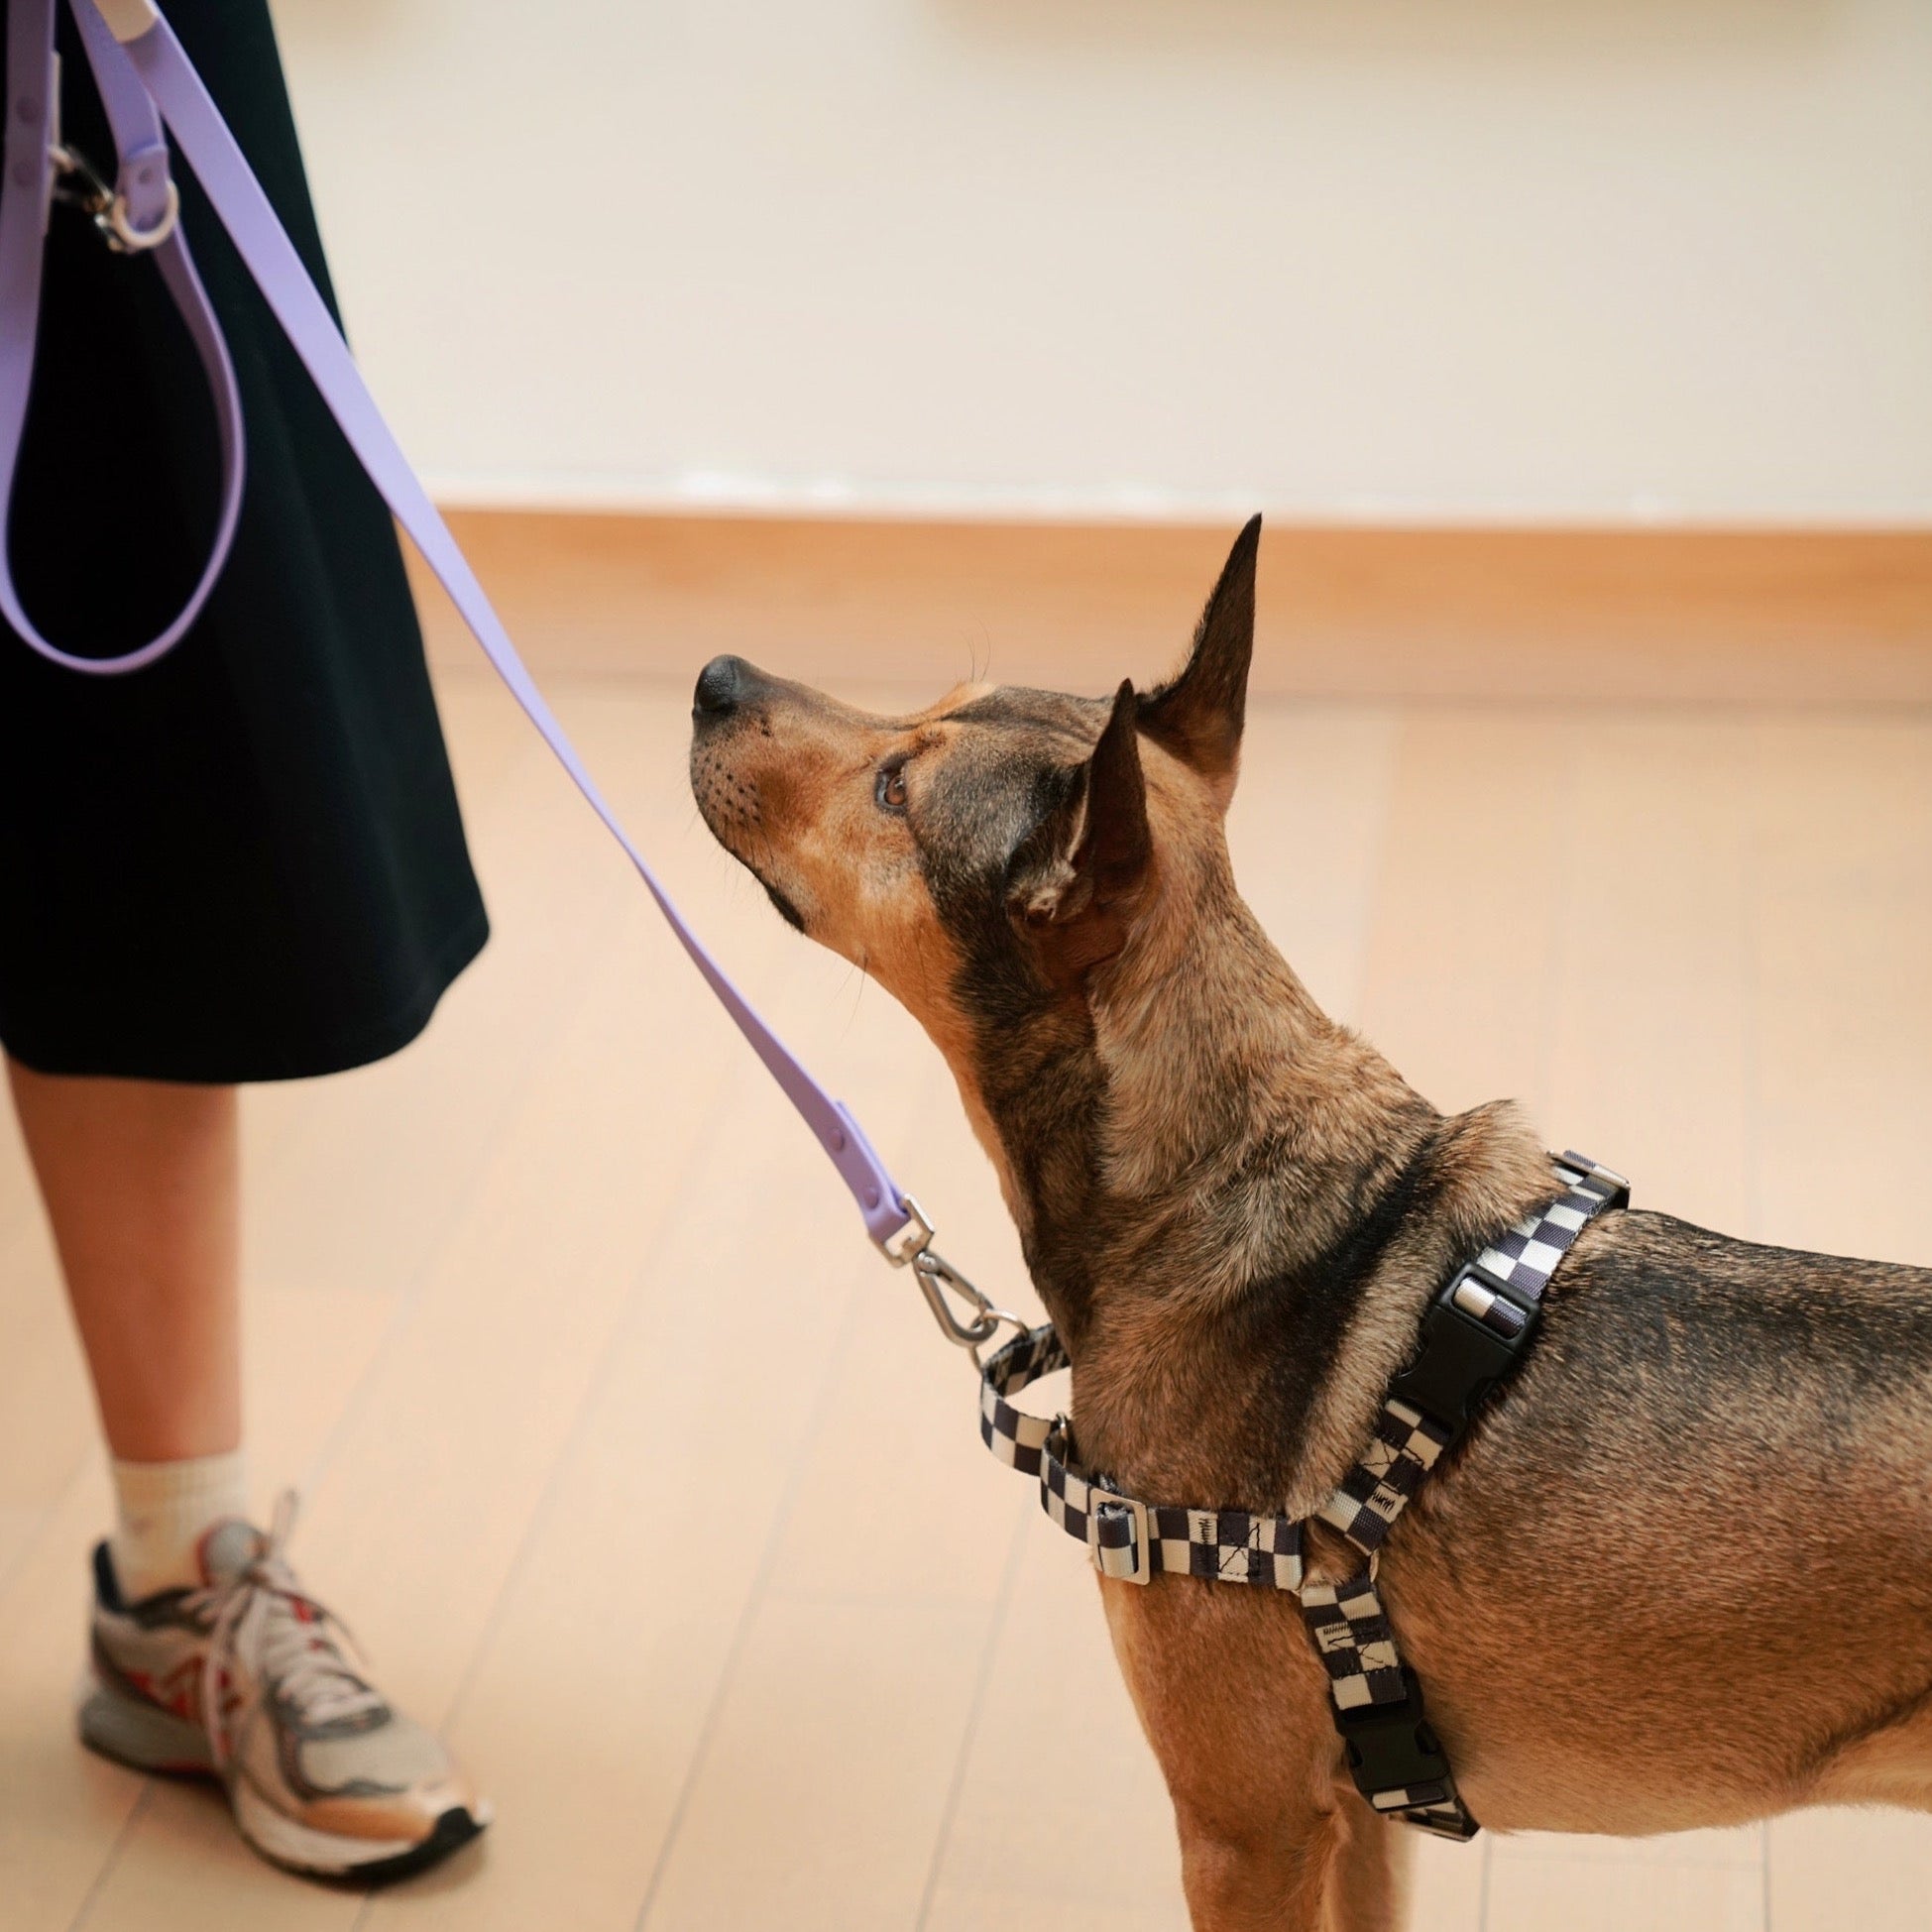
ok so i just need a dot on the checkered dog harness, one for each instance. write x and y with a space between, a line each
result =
1475 1331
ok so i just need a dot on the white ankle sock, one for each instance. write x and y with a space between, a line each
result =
162 1510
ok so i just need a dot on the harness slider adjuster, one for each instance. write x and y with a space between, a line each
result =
1139 1546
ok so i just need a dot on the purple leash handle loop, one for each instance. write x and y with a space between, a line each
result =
149 58
140 217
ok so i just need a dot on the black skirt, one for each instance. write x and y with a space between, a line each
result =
243 862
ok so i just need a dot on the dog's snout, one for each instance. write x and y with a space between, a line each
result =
721 687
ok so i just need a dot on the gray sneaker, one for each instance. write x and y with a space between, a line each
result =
248 1679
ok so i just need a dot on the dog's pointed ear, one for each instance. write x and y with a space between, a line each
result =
1198 715
1076 880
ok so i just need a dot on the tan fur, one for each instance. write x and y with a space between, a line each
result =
799 812
1657 1587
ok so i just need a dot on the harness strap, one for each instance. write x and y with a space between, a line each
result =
1472 1335
1129 1540
149 59
1475 1331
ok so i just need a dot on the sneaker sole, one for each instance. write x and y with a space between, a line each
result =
140 1735
144 1738
326 1854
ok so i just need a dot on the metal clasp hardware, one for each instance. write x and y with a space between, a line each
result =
912 1247
106 208
1141 1549
912 1239
937 1278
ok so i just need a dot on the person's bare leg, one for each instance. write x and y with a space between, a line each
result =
141 1185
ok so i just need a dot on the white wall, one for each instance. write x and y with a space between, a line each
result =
1456 259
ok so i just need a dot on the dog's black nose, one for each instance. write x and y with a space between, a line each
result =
720 685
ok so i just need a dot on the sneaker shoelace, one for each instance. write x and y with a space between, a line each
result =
296 1643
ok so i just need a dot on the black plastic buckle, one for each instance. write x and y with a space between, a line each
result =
1471 1336
1392 1748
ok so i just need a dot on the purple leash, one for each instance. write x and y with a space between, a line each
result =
144 77
136 215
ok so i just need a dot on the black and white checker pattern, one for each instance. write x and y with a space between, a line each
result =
1405 1443
1013 1436
1353 1639
1357 1649
1351 1629
1124 1536
1525 1258
1402 1451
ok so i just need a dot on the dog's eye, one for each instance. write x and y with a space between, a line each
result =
889 788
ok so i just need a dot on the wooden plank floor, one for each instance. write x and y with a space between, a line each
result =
633 1468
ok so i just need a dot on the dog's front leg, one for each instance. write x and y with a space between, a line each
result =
1259 1875
1237 1708
1368 1878
1343 1870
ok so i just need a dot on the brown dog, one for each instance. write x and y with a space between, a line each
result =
1680 1571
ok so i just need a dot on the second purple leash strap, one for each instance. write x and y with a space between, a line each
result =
137 37
136 215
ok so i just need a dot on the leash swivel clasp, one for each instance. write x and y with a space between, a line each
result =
944 1286
942 1283
80 185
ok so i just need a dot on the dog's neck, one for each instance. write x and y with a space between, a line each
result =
1208 1043
1233 1208
1193 1109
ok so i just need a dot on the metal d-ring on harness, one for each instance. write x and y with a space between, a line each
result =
1474 1333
